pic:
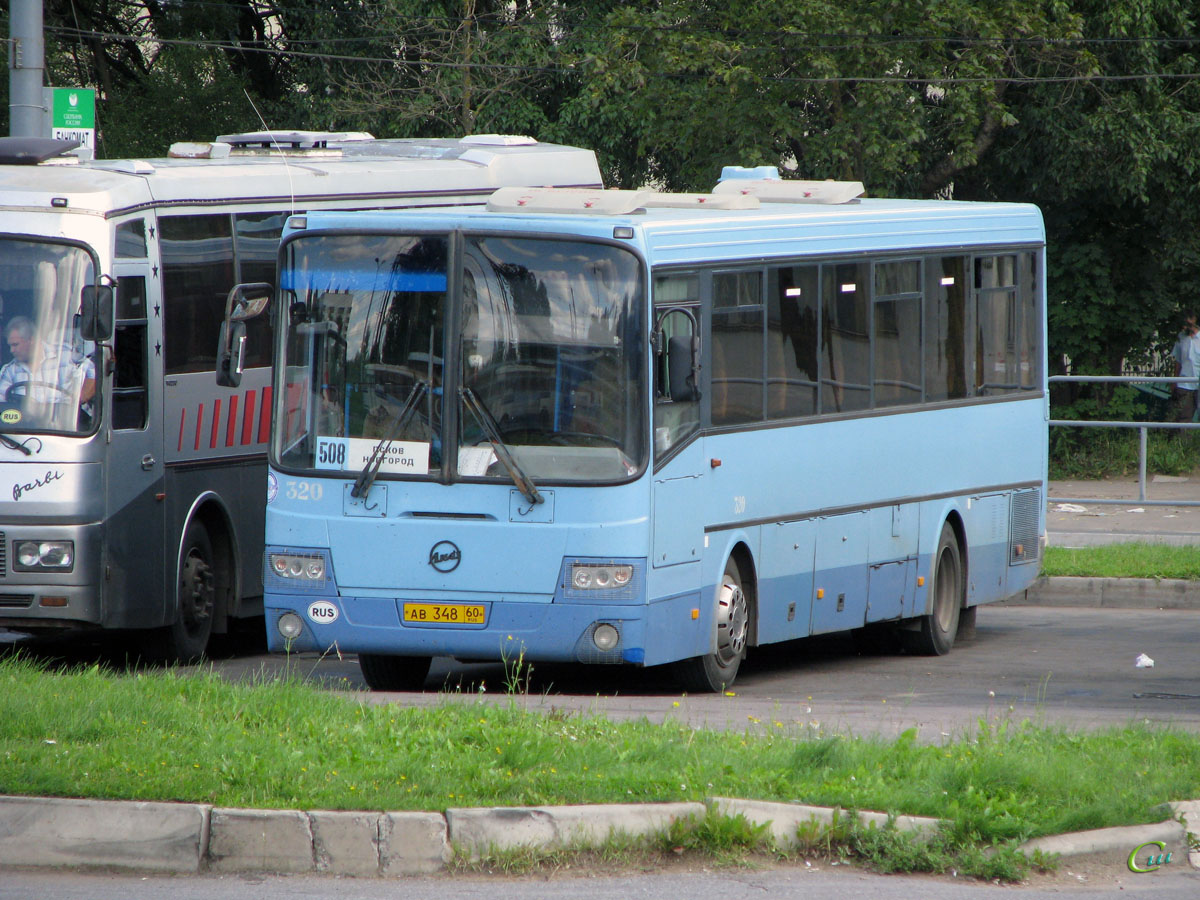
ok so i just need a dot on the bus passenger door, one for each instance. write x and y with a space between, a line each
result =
134 579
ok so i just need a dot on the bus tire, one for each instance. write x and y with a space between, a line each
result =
716 671
186 638
937 630
394 673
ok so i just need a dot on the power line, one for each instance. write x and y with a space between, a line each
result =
675 76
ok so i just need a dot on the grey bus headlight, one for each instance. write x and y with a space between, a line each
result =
35 555
291 565
600 578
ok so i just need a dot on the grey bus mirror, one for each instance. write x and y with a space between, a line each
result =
248 301
231 353
96 312
683 368
245 302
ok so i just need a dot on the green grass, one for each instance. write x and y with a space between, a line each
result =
284 744
1104 452
1123 561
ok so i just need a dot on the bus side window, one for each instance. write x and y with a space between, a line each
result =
129 404
792 341
677 308
197 274
737 352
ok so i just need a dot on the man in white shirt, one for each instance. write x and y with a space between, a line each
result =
42 372
1187 365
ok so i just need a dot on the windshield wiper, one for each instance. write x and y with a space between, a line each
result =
492 431
15 445
362 485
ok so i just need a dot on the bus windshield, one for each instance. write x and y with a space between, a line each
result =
548 350
48 376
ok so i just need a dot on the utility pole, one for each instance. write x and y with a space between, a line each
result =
26 68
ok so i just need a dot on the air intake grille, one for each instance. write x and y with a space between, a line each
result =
1023 543
3 555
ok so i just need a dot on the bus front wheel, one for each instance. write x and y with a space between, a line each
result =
186 638
937 629
716 671
394 673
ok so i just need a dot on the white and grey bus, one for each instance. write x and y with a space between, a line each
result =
132 487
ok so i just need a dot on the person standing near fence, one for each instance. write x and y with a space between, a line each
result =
1187 364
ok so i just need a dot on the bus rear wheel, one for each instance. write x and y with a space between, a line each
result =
394 673
716 671
938 628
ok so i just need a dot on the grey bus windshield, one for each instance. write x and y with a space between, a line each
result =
550 346
48 375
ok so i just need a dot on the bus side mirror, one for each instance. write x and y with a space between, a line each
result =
231 354
245 302
96 312
683 368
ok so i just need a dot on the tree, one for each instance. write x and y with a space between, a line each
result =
1112 160
903 97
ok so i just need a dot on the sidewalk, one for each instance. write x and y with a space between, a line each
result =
1083 524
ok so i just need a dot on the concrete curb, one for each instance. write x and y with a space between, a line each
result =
1112 593
190 838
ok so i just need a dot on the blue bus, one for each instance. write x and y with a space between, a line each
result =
629 427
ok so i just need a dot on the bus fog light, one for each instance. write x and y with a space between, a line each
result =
290 626
606 637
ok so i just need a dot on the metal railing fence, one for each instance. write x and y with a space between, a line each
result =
1142 427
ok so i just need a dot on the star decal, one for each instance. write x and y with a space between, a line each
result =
151 231
155 271
156 310
158 348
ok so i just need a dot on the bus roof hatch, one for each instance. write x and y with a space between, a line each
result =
774 190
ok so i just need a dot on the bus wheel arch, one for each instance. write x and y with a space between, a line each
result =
733 623
206 580
938 627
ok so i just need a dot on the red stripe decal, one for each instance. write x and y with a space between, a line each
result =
248 419
199 425
231 428
216 425
182 420
264 416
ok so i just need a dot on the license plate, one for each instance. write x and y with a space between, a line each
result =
445 613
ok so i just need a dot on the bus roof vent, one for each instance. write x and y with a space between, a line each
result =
701 201
199 150
29 151
774 190
499 140
275 141
581 201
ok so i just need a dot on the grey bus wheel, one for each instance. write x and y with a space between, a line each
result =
394 673
186 638
938 628
716 671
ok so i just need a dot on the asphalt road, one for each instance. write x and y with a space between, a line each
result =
1061 666
783 883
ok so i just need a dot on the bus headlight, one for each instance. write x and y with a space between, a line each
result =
34 555
291 565
600 578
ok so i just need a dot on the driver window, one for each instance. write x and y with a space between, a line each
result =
677 309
